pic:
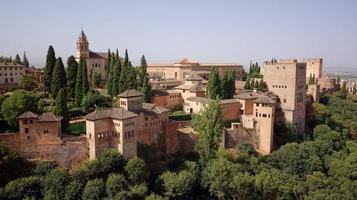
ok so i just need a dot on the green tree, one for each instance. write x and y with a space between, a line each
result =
224 86
25 60
87 102
107 65
231 84
72 67
44 167
116 77
213 89
17 59
132 82
354 90
19 102
24 187
79 83
178 185
256 85
153 196
115 183
50 65
94 190
55 183
143 71
135 168
11 164
96 78
209 125
59 79
74 190
217 177
85 78
27 82
110 80
61 108
111 161
146 90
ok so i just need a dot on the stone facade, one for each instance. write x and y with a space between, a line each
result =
313 68
180 70
287 79
40 137
122 128
11 74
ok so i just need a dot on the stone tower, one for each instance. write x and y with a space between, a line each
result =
82 46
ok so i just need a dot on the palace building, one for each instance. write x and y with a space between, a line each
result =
180 70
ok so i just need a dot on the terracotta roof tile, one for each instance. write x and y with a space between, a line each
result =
27 115
130 93
49 117
116 113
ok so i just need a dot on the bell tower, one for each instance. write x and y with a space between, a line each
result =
82 45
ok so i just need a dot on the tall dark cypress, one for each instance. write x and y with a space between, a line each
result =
116 77
143 71
50 65
146 90
213 86
224 86
72 67
231 84
132 78
107 65
126 59
59 79
61 108
25 60
17 59
79 83
110 86
85 77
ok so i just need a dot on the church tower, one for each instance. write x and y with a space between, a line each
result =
82 45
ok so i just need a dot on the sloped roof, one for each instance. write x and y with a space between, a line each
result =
28 115
197 87
49 117
207 100
193 77
264 99
154 108
115 113
130 93
247 94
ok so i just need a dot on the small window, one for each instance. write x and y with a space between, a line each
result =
25 121
30 121
27 130
45 131
284 100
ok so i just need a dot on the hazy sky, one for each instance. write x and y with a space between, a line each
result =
169 30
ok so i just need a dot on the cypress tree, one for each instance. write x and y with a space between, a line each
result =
107 66
338 80
79 83
123 79
213 86
85 77
313 79
50 65
17 59
117 55
231 84
354 90
132 78
146 90
116 78
126 59
72 67
224 86
59 79
110 86
260 86
143 70
61 107
25 60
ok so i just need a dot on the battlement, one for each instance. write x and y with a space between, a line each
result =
313 60
281 61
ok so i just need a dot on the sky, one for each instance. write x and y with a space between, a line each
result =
170 30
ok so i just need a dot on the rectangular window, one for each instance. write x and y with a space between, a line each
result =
27 130
45 131
25 121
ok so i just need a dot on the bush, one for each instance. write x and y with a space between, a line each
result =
185 117
94 190
43 167
245 147
76 129
115 183
135 169
24 187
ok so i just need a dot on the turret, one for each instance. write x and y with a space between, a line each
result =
82 46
